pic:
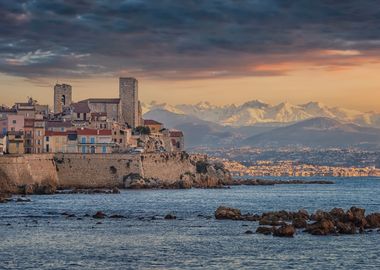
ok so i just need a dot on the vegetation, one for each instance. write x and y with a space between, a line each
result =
141 130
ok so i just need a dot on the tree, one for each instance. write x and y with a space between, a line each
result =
142 130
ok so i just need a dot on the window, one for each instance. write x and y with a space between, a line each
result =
92 149
104 149
83 139
78 115
121 140
83 149
14 121
47 148
92 140
47 139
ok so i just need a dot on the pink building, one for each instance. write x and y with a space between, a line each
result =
11 123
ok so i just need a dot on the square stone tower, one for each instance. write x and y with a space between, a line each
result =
62 97
129 101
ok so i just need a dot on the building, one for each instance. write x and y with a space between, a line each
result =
11 122
177 140
38 136
153 125
94 141
129 102
62 97
29 136
3 144
108 106
121 136
15 142
58 125
80 112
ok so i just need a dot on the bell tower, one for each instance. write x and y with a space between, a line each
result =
62 97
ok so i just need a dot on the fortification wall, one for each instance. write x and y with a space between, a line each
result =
17 171
91 170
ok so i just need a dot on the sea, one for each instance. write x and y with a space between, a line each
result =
35 235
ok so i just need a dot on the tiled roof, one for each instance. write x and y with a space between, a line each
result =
81 107
101 132
151 122
175 133
49 133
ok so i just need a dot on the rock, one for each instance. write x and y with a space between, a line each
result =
299 223
45 189
345 228
337 214
115 190
27 189
249 232
320 215
117 216
224 212
185 183
322 227
271 221
373 220
301 214
285 231
170 216
99 215
265 230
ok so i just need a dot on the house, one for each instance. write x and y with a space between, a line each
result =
121 136
154 126
38 136
58 125
55 142
177 140
15 142
29 136
3 144
95 141
12 122
81 112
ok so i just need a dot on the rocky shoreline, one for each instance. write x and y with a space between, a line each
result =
285 224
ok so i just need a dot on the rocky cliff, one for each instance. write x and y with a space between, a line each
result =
44 173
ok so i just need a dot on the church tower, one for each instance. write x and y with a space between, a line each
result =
129 101
62 97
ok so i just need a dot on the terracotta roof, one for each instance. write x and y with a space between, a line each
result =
81 107
49 133
101 132
175 133
101 100
151 122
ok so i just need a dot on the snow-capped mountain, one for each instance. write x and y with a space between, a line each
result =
258 112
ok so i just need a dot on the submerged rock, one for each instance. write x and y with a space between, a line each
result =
265 230
99 215
170 216
373 220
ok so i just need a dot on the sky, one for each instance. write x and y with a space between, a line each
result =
222 51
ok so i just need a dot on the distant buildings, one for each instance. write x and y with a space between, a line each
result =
94 125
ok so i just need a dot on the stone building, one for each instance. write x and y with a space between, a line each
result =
129 102
108 106
153 125
62 97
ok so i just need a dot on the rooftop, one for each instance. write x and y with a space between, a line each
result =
151 122
101 100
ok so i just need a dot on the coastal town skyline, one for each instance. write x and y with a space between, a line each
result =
195 51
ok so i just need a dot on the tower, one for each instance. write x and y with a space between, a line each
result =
62 97
129 101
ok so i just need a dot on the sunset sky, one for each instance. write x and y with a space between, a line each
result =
224 52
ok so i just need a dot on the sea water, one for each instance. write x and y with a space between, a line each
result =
35 235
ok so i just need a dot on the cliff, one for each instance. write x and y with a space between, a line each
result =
44 173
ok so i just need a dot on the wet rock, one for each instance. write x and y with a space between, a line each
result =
117 216
265 230
249 217
98 223
224 212
357 216
321 215
115 190
99 215
322 227
271 221
170 216
373 220
301 214
284 231
337 214
248 232
345 228
299 223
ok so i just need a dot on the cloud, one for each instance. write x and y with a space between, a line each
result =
182 39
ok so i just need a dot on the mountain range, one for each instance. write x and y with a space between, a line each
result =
256 123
